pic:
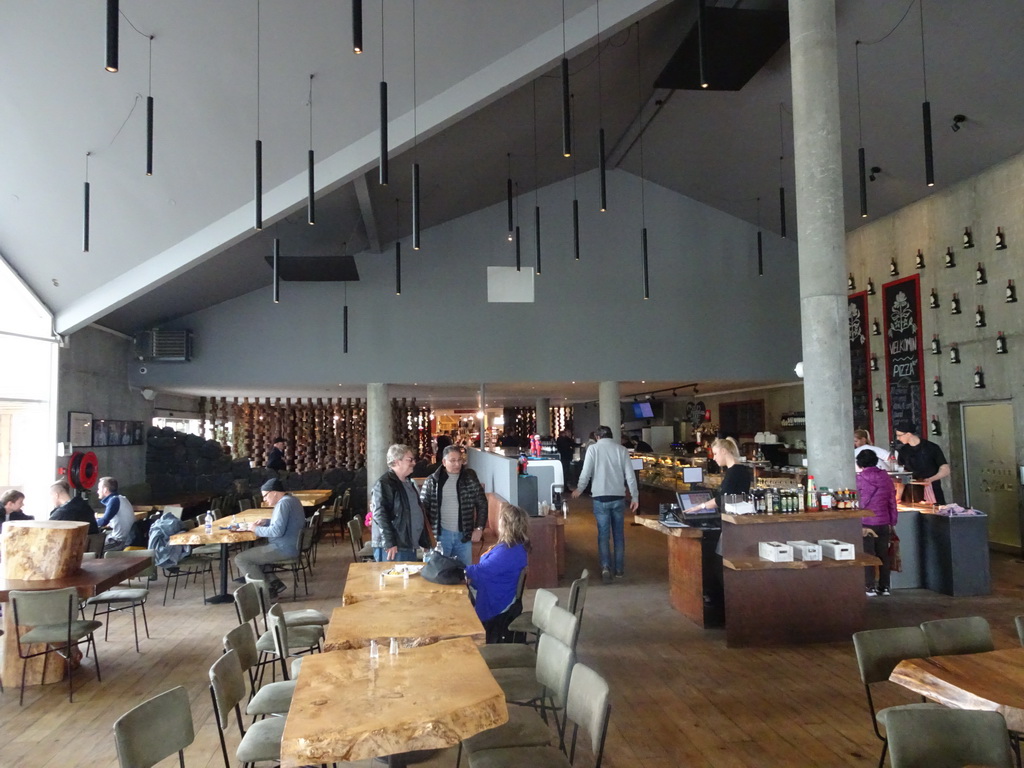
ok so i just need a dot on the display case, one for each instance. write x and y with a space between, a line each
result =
664 471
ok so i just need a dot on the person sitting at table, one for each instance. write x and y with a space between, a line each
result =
496 577
68 507
12 502
456 505
119 515
283 532
397 519
877 493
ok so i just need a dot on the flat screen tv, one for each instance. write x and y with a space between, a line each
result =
643 411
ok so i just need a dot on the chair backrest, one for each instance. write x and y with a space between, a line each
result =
588 706
244 504
247 605
241 641
155 729
227 684
188 525
578 594
262 593
947 738
306 540
46 606
355 531
277 625
521 585
543 602
148 573
554 667
563 625
88 555
880 650
1019 623
969 634
94 543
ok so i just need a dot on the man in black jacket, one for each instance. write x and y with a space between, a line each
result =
398 521
456 505
275 459
70 507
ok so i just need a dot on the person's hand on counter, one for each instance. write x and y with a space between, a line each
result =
577 493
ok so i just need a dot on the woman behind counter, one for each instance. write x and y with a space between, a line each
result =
496 577
878 494
736 477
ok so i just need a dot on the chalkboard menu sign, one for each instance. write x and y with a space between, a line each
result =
901 308
860 350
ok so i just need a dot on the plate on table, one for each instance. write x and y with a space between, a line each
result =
404 568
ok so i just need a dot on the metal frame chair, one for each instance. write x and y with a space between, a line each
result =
949 637
361 553
125 597
302 617
155 729
262 741
532 622
269 699
947 738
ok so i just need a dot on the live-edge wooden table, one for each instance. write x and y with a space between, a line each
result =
222 535
363 582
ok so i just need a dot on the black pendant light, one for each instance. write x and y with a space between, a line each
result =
519 251
566 110
782 185
398 252
508 186
575 195
926 111
415 146
344 323
602 166
357 26
149 114
259 144
702 57
277 272
760 255
643 200
85 207
113 24
861 162
383 107
310 179
536 179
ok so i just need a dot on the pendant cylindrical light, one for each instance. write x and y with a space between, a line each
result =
603 170
576 229
357 26
344 329
259 184
383 133
398 267
310 162
782 211
511 218
277 273
643 251
85 207
113 19
862 172
566 122
929 166
415 206
519 252
760 255
536 224
702 44
149 135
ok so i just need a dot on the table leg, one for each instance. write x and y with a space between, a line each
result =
223 597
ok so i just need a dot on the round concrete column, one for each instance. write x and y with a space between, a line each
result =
608 407
378 431
821 232
544 417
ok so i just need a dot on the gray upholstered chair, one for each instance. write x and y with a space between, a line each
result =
578 595
361 553
50 616
560 623
247 606
544 686
947 738
155 729
125 596
1019 623
94 543
269 699
948 637
301 617
262 740
280 641
532 622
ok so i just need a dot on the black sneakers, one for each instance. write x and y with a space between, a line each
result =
606 576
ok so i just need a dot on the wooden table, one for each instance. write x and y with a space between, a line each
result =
220 535
312 498
992 681
413 618
346 707
96 576
363 582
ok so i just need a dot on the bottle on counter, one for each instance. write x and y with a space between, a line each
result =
208 524
812 494
522 463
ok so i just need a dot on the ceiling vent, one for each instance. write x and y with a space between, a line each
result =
164 346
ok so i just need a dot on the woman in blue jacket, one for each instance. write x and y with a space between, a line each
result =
496 577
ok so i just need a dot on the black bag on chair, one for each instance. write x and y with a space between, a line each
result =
441 569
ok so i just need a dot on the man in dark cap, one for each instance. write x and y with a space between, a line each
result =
923 458
283 532
275 459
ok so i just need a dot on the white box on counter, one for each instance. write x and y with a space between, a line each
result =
775 551
837 550
805 550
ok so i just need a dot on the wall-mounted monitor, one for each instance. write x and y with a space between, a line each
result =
693 475
643 411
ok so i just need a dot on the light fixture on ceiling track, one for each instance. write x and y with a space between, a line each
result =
149 113
113 23
575 195
782 186
566 109
85 208
398 252
760 242
926 110
277 270
602 165
643 200
536 179
344 320
259 143
383 107
357 26
861 162
508 186
415 145
519 250
702 58
310 199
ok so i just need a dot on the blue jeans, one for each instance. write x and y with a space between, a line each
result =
611 517
453 546
402 556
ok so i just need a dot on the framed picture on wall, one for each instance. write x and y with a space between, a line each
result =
99 432
79 429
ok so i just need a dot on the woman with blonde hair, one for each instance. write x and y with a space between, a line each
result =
736 477
496 577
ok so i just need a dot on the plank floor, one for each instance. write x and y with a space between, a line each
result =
680 697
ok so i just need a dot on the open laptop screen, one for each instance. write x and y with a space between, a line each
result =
693 499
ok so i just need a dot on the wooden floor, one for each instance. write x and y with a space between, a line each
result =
680 697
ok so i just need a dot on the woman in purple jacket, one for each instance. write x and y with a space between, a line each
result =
877 494
496 577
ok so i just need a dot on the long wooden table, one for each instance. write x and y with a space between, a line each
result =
349 707
312 498
413 619
364 583
992 681
220 535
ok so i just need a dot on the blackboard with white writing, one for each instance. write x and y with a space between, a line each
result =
901 315
860 376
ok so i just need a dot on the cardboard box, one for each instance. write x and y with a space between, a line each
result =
837 550
805 550
775 551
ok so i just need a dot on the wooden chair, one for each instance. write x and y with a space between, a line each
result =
155 729
947 738
262 740
124 597
878 652
50 614
948 637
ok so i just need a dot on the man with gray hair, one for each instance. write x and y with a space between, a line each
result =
282 531
398 522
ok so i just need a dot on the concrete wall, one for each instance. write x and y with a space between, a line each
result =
93 378
709 315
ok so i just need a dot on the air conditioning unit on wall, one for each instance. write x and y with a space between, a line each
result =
164 346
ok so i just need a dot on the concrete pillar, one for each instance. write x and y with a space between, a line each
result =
608 407
544 416
378 431
821 232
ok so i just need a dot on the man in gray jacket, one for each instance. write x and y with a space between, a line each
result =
283 532
608 466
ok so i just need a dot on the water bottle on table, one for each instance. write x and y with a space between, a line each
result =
209 521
